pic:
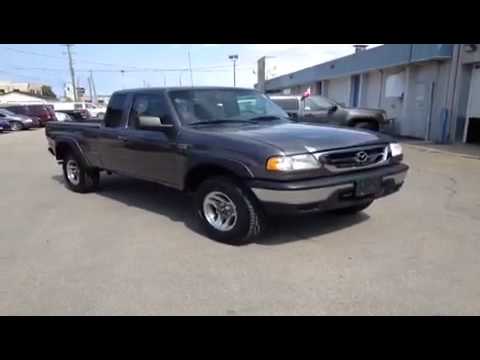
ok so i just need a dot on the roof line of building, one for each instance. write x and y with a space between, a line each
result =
380 57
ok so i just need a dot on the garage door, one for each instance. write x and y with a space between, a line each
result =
338 90
474 101
472 130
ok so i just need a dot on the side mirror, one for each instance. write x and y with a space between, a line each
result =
152 122
333 109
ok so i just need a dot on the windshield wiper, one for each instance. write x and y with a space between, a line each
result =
267 117
223 121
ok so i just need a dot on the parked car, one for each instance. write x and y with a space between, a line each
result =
17 121
61 116
322 110
240 165
44 113
4 125
95 111
76 110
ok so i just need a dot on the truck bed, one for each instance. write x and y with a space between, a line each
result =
74 124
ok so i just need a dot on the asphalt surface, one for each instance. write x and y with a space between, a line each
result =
132 248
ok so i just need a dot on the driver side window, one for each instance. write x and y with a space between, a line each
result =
148 106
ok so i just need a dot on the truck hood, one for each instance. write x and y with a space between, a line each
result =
364 111
296 138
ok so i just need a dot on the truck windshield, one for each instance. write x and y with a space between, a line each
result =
316 103
213 105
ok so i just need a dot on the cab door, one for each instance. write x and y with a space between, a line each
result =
152 153
315 111
111 137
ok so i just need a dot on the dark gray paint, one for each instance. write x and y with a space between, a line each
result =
167 155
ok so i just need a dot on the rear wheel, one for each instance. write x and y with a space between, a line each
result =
367 125
16 126
353 209
227 211
77 177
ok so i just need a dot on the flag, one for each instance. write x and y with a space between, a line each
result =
307 93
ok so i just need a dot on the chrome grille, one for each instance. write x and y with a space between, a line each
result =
358 158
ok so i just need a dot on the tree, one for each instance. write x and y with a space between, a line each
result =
48 92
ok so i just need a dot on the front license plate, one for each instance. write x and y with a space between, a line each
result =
368 186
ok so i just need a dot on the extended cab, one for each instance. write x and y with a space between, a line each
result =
235 150
322 110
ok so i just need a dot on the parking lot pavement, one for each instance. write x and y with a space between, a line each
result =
132 248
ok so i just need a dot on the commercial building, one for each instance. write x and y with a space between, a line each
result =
18 97
26 87
68 91
430 91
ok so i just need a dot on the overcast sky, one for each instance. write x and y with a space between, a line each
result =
49 64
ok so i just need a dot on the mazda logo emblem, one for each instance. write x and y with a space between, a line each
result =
361 157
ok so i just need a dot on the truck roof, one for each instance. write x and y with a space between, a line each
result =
175 88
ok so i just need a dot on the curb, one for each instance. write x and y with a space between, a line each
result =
433 150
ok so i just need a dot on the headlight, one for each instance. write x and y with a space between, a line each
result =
28 120
292 163
396 149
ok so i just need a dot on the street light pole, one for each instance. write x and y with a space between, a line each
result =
234 58
190 67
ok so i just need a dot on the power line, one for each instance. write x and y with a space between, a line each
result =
108 64
204 69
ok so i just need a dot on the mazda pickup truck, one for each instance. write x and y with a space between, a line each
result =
235 151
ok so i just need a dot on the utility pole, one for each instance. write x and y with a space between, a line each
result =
90 88
190 67
234 58
94 100
123 78
72 72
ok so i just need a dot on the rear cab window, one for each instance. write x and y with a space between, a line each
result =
114 116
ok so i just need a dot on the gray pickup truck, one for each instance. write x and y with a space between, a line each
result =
236 151
322 110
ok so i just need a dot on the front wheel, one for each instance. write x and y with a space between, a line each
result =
77 177
16 126
367 125
227 211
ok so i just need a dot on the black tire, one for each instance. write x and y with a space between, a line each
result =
367 125
353 209
16 126
250 221
87 179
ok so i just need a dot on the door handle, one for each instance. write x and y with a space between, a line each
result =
122 138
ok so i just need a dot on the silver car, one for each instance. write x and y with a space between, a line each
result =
18 121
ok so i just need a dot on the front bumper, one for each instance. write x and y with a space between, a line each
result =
325 193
